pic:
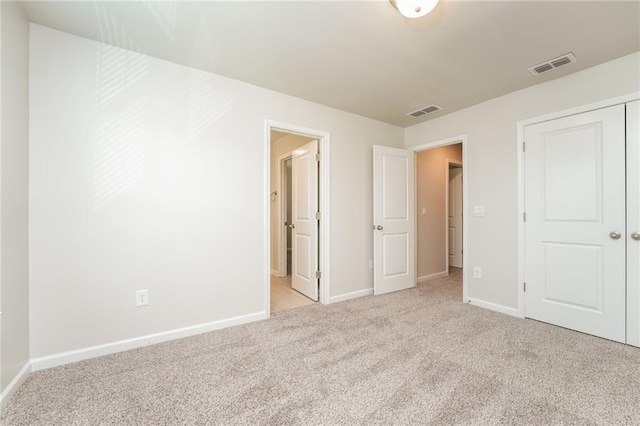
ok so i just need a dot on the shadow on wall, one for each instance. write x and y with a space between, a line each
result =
119 151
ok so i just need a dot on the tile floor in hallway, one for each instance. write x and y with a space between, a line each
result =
284 297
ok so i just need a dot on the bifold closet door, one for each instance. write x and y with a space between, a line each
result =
633 223
575 222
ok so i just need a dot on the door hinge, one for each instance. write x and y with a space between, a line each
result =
524 286
524 216
524 147
318 275
317 156
318 215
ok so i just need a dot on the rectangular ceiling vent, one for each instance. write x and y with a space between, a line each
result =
553 64
425 111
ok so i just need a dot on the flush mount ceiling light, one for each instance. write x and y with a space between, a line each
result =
414 8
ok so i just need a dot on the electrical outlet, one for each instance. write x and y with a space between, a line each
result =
477 273
142 297
371 264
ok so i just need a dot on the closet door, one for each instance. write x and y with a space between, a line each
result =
633 223
575 227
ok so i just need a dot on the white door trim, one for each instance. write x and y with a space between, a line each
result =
465 202
324 179
520 125
282 207
633 223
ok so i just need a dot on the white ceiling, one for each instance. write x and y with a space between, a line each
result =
362 56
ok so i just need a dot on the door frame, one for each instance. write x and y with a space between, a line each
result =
324 143
462 139
282 207
520 125
449 162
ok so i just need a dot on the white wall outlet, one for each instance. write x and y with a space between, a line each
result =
424 211
371 264
142 297
478 211
477 273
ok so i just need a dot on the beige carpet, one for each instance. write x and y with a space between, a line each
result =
414 357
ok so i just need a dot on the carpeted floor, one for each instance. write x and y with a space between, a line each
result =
418 356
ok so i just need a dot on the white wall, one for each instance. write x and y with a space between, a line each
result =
491 163
150 175
14 187
432 178
280 147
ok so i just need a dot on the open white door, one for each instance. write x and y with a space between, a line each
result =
575 222
393 219
633 223
454 221
304 264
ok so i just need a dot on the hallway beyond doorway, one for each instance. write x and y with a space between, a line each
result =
284 297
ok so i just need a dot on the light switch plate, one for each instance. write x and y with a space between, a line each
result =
478 211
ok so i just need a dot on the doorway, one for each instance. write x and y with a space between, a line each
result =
298 237
439 196
411 227
455 208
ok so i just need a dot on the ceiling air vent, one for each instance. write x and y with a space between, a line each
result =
553 63
424 111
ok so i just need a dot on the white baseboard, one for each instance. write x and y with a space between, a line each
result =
494 307
433 276
15 384
352 295
138 342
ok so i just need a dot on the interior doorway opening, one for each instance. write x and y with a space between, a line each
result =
297 256
439 201
401 209
455 228
440 204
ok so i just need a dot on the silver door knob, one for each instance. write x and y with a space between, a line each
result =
292 226
379 227
615 235
635 236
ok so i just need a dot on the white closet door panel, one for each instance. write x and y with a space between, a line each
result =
574 198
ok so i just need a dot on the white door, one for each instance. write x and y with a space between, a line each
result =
454 220
304 263
633 223
393 219
575 208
